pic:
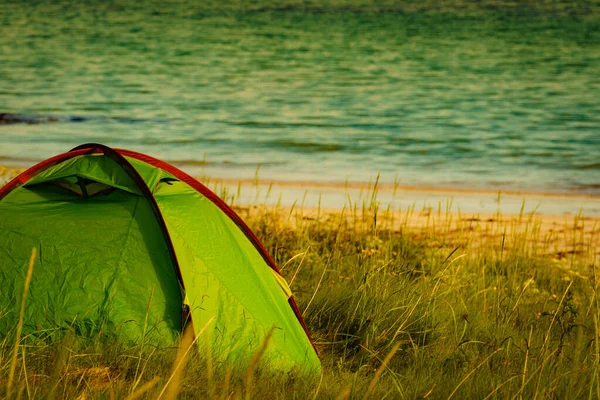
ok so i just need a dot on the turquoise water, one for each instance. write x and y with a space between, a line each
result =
488 101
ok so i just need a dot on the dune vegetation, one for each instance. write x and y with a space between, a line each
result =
455 307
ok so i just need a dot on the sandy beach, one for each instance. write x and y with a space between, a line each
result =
336 195
422 207
562 224
556 216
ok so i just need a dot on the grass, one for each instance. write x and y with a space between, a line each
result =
452 307
7 173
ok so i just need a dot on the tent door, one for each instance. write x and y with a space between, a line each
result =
80 186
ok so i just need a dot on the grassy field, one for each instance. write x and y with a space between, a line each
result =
453 306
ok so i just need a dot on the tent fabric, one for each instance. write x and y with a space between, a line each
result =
130 256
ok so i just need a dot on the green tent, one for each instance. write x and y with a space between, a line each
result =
131 247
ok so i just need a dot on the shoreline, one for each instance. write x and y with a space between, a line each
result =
336 196
397 197
203 170
359 185
558 221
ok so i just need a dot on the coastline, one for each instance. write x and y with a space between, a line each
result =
394 197
339 195
404 188
560 222
564 225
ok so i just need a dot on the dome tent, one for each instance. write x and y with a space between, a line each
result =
131 246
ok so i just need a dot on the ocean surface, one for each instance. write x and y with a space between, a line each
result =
487 101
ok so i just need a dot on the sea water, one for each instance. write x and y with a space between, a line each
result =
483 101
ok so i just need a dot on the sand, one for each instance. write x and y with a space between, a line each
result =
339 195
564 222
560 224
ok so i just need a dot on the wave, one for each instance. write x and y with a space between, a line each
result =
588 166
12 119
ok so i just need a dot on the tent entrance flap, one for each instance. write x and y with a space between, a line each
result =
79 185
77 171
